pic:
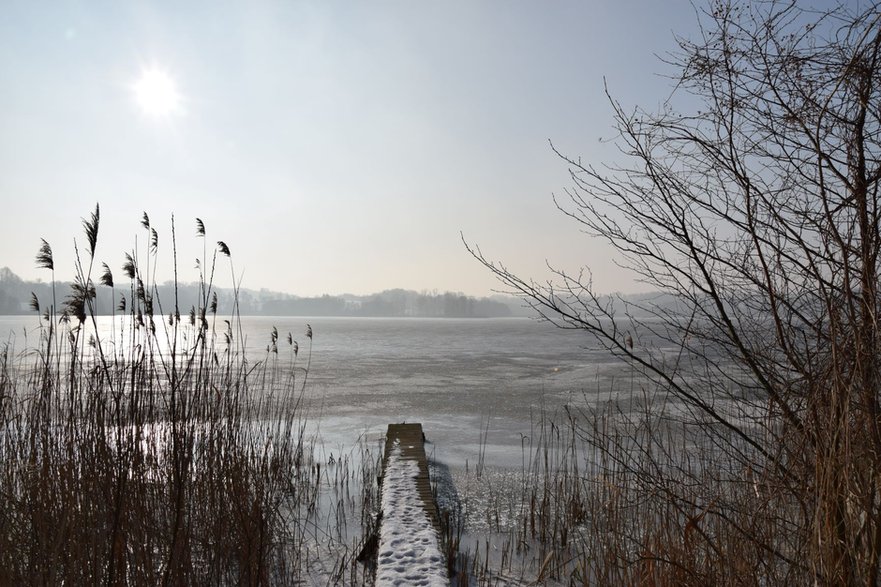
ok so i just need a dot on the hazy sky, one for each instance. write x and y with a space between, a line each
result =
335 146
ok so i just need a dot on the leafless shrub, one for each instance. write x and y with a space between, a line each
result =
756 214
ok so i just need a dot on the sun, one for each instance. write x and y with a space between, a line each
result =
156 93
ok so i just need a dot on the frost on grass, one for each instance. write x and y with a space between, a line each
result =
408 544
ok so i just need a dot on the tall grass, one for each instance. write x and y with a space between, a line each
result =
155 452
627 492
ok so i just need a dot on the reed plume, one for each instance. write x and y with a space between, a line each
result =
44 257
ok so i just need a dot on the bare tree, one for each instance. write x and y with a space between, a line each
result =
759 212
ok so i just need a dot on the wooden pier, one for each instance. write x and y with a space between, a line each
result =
411 442
408 549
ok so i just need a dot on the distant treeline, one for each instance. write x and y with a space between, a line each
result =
395 302
15 298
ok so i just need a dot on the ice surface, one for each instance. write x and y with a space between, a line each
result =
409 551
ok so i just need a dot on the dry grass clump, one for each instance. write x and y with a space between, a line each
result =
666 504
153 452
524 527
628 493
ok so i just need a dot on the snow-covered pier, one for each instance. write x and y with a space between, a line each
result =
409 539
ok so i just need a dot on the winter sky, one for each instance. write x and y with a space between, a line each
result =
334 146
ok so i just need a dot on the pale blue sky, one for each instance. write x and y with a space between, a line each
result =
335 146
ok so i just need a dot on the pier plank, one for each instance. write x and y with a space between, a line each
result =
411 441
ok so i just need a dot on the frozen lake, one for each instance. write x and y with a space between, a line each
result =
478 386
451 375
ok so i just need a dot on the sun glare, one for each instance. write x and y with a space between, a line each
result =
156 93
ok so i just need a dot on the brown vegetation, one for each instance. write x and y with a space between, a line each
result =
153 452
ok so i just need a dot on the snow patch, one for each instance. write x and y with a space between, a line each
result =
409 552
